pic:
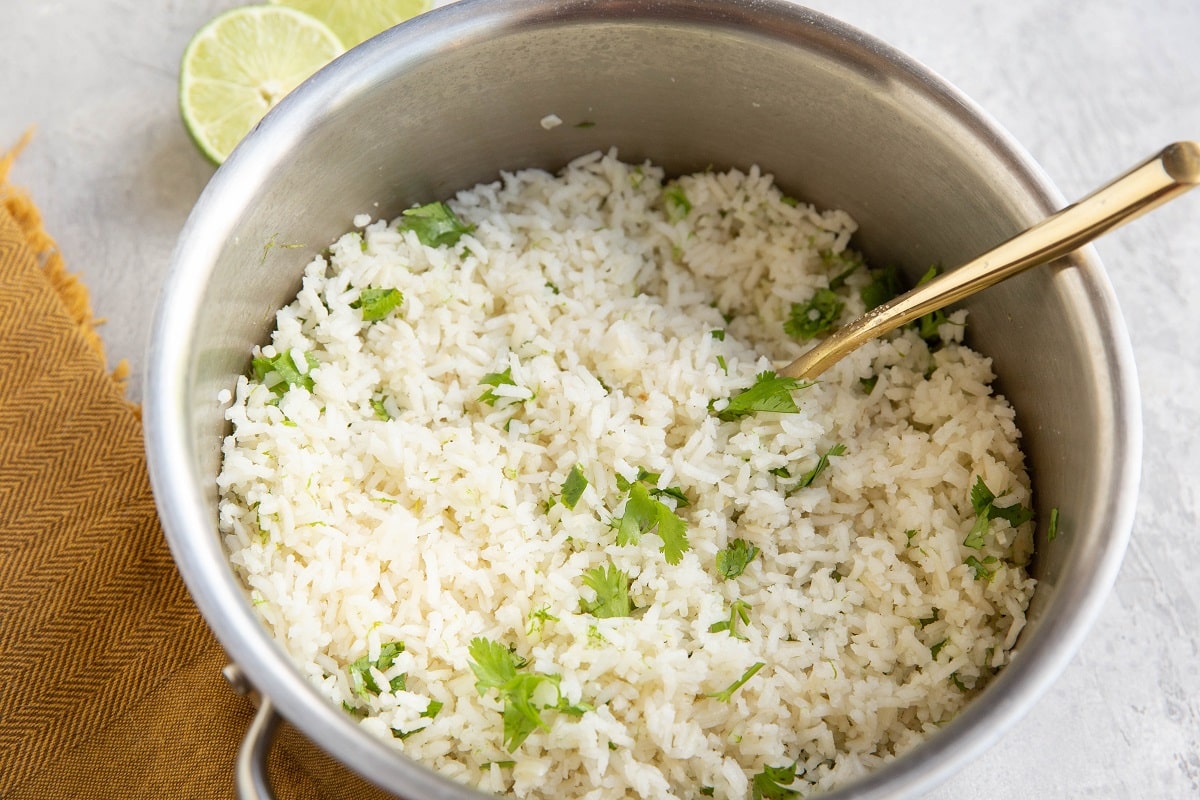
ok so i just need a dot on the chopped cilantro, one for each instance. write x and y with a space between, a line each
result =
538 618
773 782
709 791
677 203
726 694
910 534
1052 530
975 536
739 613
733 560
983 503
650 479
981 568
377 303
718 334
932 618
957 681
495 379
381 412
721 363
281 373
643 514
611 586
937 648
822 464
434 224
363 682
885 285
573 487
818 315
789 201
496 667
1015 514
868 384
430 712
770 392
780 472
552 287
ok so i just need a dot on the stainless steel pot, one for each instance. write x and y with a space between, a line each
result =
449 99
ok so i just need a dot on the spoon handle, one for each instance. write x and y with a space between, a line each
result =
1167 175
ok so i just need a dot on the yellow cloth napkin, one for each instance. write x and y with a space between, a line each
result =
110 682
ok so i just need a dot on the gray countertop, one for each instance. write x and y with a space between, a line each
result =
1088 88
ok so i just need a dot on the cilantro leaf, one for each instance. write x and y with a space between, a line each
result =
733 560
381 412
673 531
521 716
1052 530
495 379
644 514
377 303
822 464
770 392
981 496
885 285
726 694
975 537
983 503
650 479
718 334
641 514
281 373
362 681
434 224
496 667
573 487
677 203
981 568
494 664
1016 514
773 782
935 649
611 586
818 315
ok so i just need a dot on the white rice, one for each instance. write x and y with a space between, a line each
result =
431 527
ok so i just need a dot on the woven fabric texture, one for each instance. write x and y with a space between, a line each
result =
110 683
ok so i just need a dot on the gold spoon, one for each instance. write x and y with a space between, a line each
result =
1164 177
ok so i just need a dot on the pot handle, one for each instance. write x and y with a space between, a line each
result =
251 778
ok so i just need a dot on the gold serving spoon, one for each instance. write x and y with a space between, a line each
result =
1164 177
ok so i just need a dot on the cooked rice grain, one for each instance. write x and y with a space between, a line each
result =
431 527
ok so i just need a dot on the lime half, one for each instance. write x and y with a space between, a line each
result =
239 65
355 21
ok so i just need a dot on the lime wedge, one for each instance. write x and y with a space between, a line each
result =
239 65
355 21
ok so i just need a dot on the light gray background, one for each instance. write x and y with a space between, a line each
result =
1088 88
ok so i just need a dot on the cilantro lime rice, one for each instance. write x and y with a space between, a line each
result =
516 485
